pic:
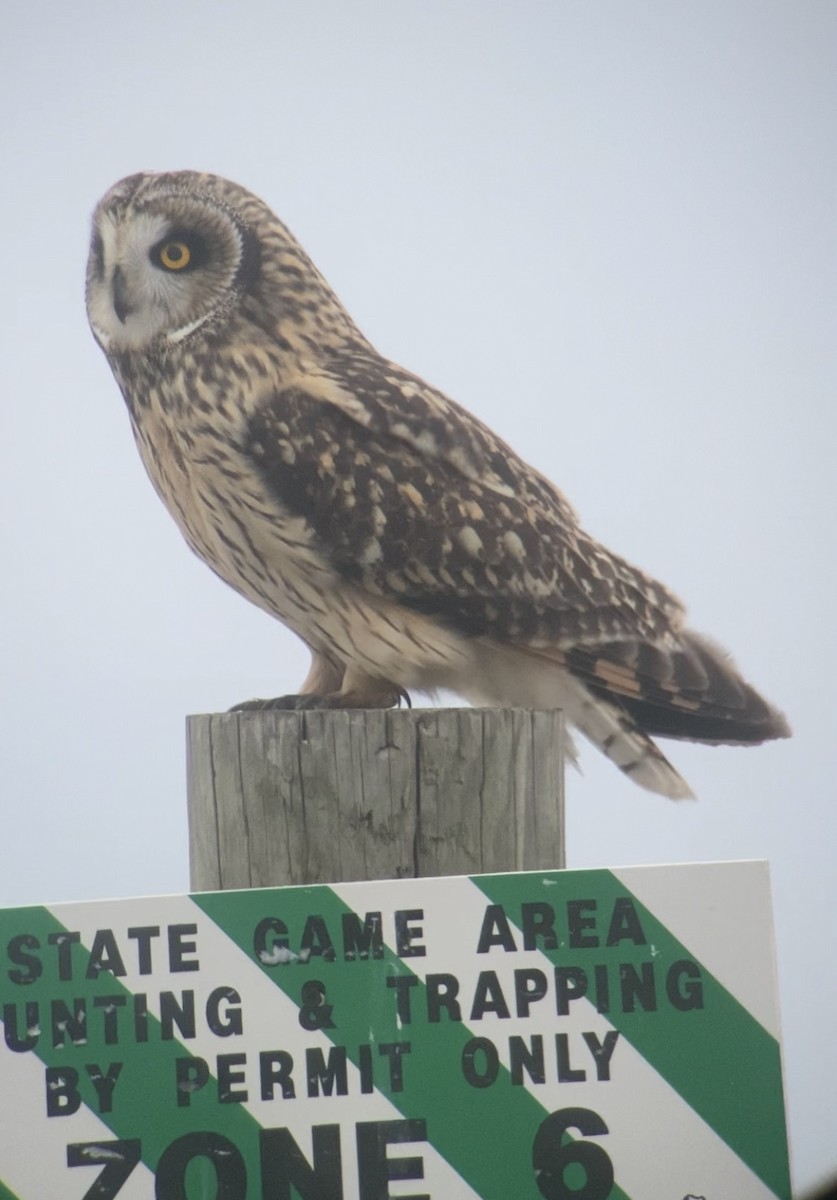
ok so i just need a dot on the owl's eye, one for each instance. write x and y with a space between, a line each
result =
174 256
178 252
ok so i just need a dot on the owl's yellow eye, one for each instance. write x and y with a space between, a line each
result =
174 256
180 250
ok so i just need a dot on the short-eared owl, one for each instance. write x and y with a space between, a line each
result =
406 544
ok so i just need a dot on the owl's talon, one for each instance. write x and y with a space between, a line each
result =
291 703
308 702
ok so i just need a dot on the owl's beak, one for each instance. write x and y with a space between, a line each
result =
121 304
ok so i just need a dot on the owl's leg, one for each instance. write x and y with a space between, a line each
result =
360 690
328 685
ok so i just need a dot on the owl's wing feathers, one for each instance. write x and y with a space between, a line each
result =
415 500
432 511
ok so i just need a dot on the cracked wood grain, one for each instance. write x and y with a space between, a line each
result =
280 798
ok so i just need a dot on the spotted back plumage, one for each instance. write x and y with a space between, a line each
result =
401 539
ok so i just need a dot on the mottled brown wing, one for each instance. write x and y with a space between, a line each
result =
415 500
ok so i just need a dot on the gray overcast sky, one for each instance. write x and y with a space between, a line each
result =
608 229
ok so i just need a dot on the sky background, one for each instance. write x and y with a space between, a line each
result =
607 229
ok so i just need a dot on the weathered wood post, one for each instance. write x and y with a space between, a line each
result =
316 797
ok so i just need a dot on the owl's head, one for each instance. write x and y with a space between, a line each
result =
169 254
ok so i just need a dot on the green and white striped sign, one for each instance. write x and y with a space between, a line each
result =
573 1035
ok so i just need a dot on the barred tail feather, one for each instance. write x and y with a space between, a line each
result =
612 731
513 676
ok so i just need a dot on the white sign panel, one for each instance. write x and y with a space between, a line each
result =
569 1035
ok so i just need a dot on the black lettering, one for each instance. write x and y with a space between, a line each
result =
314 1013
577 923
110 1006
104 955
602 987
367 1082
638 985
402 985
140 1017
375 1170
179 948
67 1024
64 943
566 1073
181 1014
62 1095
142 935
480 1062
570 984
117 1160
624 924
228 1078
330 1076
553 1152
684 986
316 940
602 1052
191 1074
270 942
538 922
19 952
361 941
529 986
496 930
394 1052
28 1040
406 932
104 1083
226 1160
529 1058
285 1167
488 997
229 1023
442 992
276 1069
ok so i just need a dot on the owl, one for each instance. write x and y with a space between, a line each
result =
406 544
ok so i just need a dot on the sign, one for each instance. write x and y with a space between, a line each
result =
567 1035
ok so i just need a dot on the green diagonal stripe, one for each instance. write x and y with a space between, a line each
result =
144 1099
6 1193
744 1105
496 1161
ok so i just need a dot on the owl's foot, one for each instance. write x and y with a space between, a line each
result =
391 697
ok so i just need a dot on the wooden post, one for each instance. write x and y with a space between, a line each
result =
317 797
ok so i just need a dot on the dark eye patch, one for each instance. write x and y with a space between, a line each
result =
97 255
